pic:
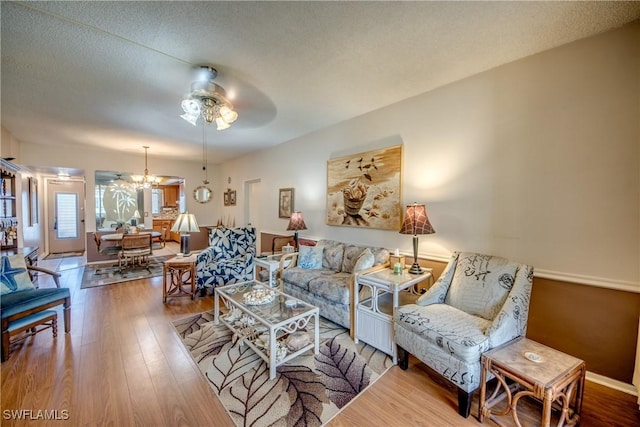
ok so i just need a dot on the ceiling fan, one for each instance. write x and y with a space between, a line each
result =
209 100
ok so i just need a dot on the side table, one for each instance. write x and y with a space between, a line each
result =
179 277
269 263
374 316
538 371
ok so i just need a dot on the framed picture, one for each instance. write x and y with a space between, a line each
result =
285 202
229 197
363 190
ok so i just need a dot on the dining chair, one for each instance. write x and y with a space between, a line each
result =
106 249
136 249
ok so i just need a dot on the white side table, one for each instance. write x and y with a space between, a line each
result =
374 316
271 263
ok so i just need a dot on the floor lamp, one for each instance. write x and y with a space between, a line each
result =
416 222
185 224
296 222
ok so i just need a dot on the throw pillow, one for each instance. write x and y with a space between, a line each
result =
13 274
364 261
310 257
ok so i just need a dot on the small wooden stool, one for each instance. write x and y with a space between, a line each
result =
46 318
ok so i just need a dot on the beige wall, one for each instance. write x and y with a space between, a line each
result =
537 160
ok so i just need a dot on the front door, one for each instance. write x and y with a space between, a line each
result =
65 216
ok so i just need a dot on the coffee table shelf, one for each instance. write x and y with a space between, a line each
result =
274 318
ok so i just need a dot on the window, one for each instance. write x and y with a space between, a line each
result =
157 200
66 215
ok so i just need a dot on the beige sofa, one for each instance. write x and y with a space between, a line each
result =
329 287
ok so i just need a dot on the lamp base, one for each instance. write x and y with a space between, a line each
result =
415 269
184 244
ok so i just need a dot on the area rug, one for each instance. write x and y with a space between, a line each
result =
108 274
64 255
307 391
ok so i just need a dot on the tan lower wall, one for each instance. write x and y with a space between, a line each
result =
597 325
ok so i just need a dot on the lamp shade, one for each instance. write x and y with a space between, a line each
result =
186 223
136 215
296 222
416 221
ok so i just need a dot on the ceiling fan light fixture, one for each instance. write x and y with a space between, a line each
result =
228 114
221 124
208 100
191 106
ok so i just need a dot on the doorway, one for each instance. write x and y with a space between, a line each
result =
252 208
65 216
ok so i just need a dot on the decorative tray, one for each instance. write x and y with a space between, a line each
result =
259 296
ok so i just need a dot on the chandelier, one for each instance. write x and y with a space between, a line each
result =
208 100
146 180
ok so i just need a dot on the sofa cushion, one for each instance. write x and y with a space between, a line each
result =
351 254
472 289
18 302
334 287
310 257
380 255
13 274
332 256
460 334
364 261
300 277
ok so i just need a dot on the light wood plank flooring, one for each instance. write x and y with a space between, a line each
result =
123 365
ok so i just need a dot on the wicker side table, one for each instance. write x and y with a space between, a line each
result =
538 371
179 277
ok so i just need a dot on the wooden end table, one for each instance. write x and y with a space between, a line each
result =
179 277
538 371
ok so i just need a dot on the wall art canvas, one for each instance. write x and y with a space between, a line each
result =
364 190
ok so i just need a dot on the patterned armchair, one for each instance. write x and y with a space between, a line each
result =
478 303
228 258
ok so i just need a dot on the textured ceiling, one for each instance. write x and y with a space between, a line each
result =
112 74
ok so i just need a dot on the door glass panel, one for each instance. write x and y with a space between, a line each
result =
67 215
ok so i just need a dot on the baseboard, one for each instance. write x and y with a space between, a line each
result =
611 383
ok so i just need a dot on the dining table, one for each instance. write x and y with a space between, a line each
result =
116 237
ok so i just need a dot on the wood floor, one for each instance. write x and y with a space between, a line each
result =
123 365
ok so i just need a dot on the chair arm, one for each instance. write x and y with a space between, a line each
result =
511 320
437 293
55 276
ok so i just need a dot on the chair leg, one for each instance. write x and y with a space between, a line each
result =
67 315
464 402
403 358
5 339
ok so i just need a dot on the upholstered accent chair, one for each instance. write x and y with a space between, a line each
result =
478 303
229 258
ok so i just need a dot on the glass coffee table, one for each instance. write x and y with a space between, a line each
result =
273 324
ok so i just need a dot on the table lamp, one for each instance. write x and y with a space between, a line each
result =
296 222
416 222
134 219
185 224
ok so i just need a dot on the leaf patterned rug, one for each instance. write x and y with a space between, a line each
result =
307 391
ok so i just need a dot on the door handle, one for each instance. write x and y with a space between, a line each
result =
55 224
